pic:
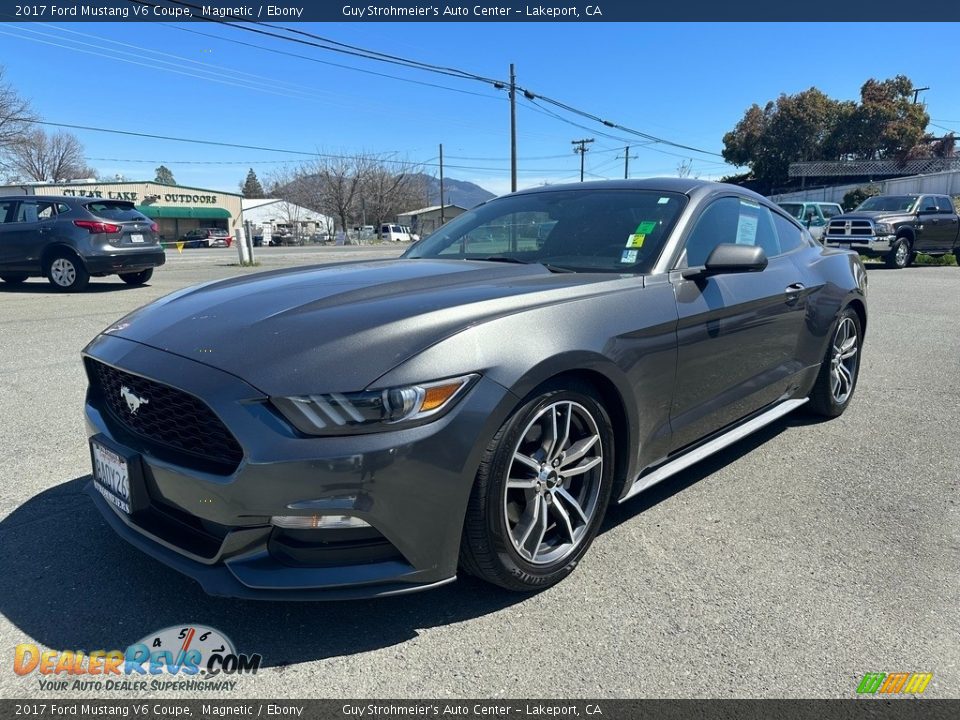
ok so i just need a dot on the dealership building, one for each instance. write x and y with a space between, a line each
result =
177 209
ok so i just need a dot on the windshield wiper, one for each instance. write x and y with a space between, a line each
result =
502 258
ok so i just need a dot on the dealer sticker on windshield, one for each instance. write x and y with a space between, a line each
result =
628 256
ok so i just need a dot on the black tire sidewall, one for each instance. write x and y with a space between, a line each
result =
510 561
137 278
892 261
831 406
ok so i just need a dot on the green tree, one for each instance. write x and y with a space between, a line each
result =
251 187
809 125
164 176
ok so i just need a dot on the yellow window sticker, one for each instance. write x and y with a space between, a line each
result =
636 240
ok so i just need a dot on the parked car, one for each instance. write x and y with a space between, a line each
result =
207 237
813 215
71 239
368 427
897 227
396 233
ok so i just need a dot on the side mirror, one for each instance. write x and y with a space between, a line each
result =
731 258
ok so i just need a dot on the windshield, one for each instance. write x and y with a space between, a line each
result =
589 230
895 203
795 209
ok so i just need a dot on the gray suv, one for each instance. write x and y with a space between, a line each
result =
70 239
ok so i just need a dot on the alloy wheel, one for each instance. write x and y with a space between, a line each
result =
843 363
553 483
902 252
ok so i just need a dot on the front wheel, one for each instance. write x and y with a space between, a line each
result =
899 256
840 369
541 491
137 278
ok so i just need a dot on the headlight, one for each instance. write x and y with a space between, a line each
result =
883 229
371 410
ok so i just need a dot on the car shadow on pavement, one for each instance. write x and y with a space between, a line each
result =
68 582
44 288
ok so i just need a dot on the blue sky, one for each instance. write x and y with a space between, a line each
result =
688 82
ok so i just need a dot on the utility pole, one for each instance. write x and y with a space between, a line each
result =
513 130
582 150
441 183
916 94
626 162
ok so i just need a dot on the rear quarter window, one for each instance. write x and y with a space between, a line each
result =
116 211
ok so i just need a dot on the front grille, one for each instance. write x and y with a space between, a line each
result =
850 228
172 424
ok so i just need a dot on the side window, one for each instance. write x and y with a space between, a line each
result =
830 211
46 210
62 208
27 213
928 203
791 237
945 204
7 211
730 220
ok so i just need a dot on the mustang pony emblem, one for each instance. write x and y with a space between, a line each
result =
133 402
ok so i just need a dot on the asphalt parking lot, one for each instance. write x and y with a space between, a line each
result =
787 566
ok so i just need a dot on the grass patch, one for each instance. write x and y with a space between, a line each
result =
921 259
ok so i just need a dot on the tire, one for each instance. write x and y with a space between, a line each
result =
14 278
137 278
900 255
66 273
837 380
504 541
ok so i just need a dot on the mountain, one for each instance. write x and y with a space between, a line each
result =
457 192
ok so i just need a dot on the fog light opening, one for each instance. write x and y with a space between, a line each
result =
317 522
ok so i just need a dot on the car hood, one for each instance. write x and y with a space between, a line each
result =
340 327
875 215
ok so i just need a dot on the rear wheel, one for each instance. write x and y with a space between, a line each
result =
67 274
840 368
14 278
137 278
541 491
900 255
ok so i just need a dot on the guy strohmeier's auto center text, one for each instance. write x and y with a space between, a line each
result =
427 12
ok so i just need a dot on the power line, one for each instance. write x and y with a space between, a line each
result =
582 150
337 46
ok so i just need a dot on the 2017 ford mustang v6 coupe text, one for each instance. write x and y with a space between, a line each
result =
368 428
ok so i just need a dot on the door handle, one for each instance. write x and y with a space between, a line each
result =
793 292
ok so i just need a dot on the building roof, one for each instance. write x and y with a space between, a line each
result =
857 168
432 208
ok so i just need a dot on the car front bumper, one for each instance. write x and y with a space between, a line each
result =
410 486
866 244
124 261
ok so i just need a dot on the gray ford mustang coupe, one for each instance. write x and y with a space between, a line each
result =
367 428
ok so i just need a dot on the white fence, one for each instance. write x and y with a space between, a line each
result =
944 183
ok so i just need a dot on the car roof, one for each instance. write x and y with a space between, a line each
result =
63 198
686 186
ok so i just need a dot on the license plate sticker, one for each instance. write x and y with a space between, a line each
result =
136 237
111 476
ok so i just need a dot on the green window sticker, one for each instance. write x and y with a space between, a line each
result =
646 227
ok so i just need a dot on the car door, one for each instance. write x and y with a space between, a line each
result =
947 224
27 234
737 332
933 231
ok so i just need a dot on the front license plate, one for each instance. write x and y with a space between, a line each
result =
111 476
136 237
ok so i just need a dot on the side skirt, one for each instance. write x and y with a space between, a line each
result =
709 448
